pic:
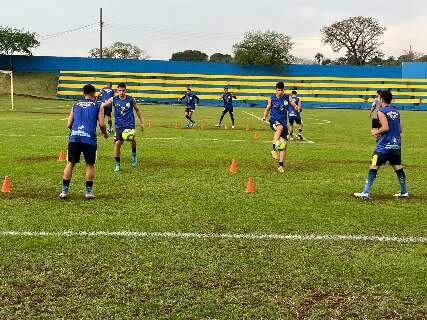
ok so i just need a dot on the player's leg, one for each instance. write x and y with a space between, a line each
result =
89 153
134 157
74 151
108 111
223 113
300 126
232 118
190 118
283 150
396 162
291 128
117 152
187 116
377 161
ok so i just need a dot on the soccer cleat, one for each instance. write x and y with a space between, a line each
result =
89 195
281 169
192 125
361 195
275 155
134 161
401 195
117 168
232 127
63 195
291 137
218 125
300 137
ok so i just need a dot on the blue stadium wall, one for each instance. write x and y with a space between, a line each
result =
164 81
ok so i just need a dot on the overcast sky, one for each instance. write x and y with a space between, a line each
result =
162 27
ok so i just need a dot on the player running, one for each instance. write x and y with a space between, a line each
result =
279 104
191 102
124 118
105 94
82 122
295 117
374 110
388 147
227 98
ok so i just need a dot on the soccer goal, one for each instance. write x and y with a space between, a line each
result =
6 86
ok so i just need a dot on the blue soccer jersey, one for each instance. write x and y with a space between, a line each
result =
279 109
292 112
85 118
190 100
106 94
123 112
227 98
390 141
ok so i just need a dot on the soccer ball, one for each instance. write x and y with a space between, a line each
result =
280 145
128 134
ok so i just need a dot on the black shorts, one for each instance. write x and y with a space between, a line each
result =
187 110
118 134
75 149
393 158
376 124
273 126
108 110
297 120
227 110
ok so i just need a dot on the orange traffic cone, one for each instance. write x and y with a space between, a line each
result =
61 156
250 187
177 125
202 125
247 128
6 185
256 135
149 124
225 126
233 166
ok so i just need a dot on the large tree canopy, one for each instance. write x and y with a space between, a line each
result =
189 55
13 40
359 36
263 48
120 50
220 57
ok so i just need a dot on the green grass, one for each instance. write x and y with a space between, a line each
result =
36 84
184 185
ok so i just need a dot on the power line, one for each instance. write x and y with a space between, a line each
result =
62 33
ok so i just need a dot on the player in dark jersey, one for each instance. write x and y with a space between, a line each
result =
278 106
191 102
106 94
82 121
295 117
388 147
227 98
374 111
124 118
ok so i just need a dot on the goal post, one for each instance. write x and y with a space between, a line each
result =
10 74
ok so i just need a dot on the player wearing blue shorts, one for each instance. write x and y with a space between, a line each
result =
295 117
191 102
278 106
227 98
106 94
124 118
388 147
82 121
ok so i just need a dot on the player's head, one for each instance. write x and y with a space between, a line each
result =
280 89
294 92
121 89
378 93
89 91
226 89
386 97
188 90
109 85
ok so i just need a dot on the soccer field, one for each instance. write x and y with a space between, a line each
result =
196 251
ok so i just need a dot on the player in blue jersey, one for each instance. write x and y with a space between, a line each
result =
278 106
388 147
227 98
82 121
106 94
295 117
124 118
191 102
373 113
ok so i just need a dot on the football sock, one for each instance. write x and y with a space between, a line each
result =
281 164
274 147
117 160
110 124
402 180
65 185
370 180
89 186
133 150
300 131
232 119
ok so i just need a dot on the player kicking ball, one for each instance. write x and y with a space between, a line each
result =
124 122
191 102
295 117
227 98
82 121
388 147
278 106
105 94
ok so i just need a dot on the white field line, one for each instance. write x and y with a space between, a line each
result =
260 119
233 236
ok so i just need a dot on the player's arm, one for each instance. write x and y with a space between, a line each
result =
293 104
267 110
139 115
106 103
384 125
182 98
70 119
101 121
234 96
299 105
197 99
401 125
373 106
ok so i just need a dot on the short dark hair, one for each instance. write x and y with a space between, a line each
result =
110 84
189 88
386 96
121 85
89 89
294 92
280 85
378 91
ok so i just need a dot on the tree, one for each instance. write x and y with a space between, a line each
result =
14 40
120 50
189 55
219 57
359 36
263 48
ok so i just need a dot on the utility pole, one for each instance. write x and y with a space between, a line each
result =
101 23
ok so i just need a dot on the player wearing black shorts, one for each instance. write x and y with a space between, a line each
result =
227 99
106 94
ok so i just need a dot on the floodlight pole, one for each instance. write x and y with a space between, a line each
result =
100 32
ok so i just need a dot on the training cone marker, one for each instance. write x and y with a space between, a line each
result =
247 128
61 156
225 126
256 135
6 185
149 124
202 125
250 187
233 166
177 125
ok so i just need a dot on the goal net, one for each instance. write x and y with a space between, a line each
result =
6 86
